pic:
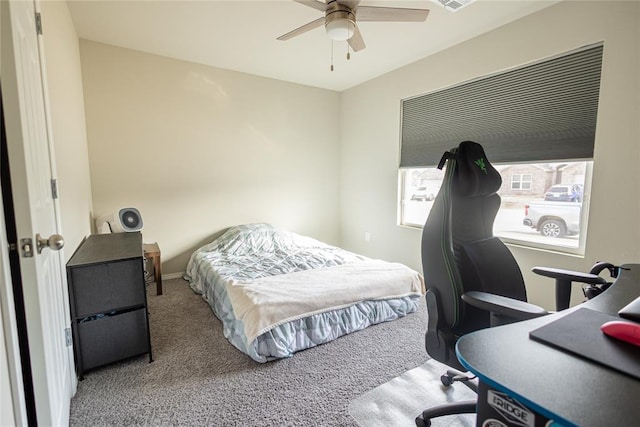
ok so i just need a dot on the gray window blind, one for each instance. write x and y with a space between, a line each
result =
539 112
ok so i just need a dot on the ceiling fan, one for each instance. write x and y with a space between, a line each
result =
340 17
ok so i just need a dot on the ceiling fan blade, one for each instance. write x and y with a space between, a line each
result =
321 6
356 41
390 14
300 30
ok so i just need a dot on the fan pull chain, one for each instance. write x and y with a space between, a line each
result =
331 55
348 51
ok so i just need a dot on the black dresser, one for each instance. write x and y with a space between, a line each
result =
108 300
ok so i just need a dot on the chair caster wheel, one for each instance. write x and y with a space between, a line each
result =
446 380
420 422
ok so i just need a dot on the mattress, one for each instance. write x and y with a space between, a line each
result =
258 271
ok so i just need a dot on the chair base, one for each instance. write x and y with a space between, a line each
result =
453 408
453 375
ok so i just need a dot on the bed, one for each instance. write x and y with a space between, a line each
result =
277 292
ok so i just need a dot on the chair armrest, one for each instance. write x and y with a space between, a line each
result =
568 276
563 282
503 306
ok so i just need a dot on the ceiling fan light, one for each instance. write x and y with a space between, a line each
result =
340 29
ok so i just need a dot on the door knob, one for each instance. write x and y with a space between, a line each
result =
55 242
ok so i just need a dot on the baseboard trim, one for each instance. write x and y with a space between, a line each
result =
172 276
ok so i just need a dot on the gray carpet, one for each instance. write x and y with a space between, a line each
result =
198 378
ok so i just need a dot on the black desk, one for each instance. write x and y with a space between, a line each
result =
568 389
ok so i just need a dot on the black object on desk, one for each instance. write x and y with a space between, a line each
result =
539 383
108 300
579 333
631 311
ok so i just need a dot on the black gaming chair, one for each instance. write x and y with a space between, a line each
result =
472 279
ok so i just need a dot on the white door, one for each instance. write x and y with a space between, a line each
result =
42 271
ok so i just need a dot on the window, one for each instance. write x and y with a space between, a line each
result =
548 215
521 181
529 120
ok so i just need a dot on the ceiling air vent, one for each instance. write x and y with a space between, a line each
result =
453 5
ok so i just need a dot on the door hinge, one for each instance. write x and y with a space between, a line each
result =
38 23
67 337
54 188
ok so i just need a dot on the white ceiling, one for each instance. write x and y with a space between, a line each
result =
241 35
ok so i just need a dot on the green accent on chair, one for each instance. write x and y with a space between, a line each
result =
480 163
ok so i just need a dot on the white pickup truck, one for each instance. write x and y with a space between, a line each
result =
553 219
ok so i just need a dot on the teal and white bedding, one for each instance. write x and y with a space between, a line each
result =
277 292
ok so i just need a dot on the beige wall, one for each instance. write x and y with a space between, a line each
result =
369 144
198 149
66 102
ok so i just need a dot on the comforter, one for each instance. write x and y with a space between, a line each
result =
277 292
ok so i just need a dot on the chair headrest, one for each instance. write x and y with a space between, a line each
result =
474 175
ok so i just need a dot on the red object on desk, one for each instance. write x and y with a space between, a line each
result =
624 331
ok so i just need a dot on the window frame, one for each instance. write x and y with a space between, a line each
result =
578 251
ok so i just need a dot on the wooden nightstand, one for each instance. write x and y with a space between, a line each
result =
152 251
